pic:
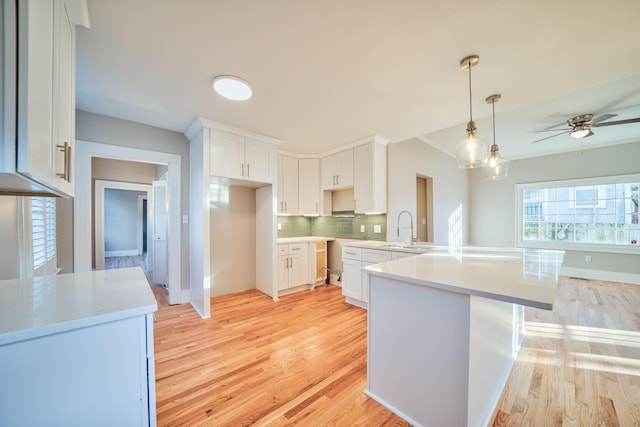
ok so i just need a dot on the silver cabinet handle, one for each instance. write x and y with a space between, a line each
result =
242 169
286 209
248 171
66 150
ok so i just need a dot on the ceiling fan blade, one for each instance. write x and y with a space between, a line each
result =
618 122
552 136
602 118
552 130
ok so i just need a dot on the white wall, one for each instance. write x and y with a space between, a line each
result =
413 157
493 202
109 130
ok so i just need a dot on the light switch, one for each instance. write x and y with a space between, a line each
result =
424 221
362 228
279 226
377 228
185 219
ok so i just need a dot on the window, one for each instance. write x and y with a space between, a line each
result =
591 214
43 235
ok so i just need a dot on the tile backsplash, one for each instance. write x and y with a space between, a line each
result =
334 226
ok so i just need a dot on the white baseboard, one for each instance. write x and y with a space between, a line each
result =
132 252
609 276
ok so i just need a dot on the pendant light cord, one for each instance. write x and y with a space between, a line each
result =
470 103
493 109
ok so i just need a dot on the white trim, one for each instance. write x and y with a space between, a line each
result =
131 252
100 187
609 276
82 253
140 227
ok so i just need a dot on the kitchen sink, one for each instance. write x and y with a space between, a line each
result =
417 248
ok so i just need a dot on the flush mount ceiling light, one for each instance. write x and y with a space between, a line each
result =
495 166
472 151
232 87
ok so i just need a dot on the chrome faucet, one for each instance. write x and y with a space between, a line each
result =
412 239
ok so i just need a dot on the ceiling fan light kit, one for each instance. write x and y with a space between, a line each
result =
495 167
472 151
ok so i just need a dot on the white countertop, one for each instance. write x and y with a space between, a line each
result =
305 239
521 276
39 306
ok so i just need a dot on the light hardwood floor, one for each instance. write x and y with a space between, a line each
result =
302 361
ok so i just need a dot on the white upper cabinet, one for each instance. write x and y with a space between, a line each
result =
337 170
288 185
240 157
370 178
38 152
309 190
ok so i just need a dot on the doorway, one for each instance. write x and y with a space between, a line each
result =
424 208
82 235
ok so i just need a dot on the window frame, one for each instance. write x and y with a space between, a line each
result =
570 245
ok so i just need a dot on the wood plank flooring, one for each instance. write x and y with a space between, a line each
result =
302 360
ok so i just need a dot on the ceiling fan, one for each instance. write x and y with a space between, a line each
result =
580 126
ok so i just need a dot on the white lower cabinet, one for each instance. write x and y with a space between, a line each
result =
292 265
354 285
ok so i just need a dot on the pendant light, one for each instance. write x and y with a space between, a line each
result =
472 151
495 167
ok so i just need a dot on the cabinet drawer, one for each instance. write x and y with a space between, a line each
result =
349 252
296 248
376 256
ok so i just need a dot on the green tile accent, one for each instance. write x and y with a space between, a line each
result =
334 226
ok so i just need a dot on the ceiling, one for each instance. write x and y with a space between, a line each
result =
326 73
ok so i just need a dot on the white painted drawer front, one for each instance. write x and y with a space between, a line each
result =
376 256
351 253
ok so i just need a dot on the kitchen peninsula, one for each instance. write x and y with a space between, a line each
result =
444 329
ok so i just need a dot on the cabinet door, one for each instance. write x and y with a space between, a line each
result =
283 272
309 190
258 158
298 265
328 165
370 182
287 185
35 153
227 155
351 278
64 99
344 168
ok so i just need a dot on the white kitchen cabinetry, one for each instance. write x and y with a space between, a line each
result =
354 285
309 186
292 265
287 185
241 157
37 153
337 170
370 178
78 350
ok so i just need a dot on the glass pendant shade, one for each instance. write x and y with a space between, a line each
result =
472 151
495 167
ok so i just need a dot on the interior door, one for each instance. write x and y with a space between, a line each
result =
159 226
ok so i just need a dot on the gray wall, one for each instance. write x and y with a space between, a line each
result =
108 130
492 203
121 220
413 157
9 254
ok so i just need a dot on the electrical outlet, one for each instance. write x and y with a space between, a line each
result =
587 258
279 226
377 228
362 228
185 219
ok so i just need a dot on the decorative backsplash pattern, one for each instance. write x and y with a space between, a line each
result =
334 226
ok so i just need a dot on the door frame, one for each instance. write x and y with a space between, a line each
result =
100 186
82 247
